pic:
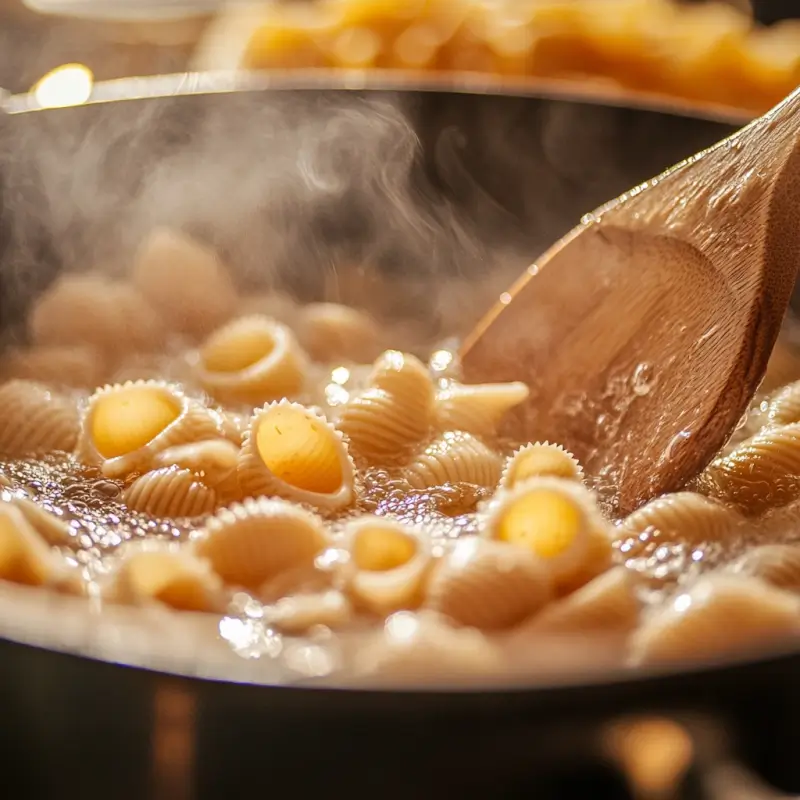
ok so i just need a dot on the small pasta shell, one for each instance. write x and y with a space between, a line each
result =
126 425
560 522
606 603
35 420
388 564
252 360
213 460
185 282
250 543
784 406
289 451
776 564
170 492
24 557
763 472
53 530
55 365
406 377
477 409
720 615
488 585
540 460
297 613
455 457
173 578
683 517
330 332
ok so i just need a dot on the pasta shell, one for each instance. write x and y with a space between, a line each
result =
24 557
231 425
331 332
455 457
776 564
606 603
720 615
488 585
55 365
127 425
540 460
298 613
170 492
213 460
477 409
97 311
388 564
289 451
252 360
763 472
784 406
35 420
248 544
406 377
52 529
683 517
185 282
560 522
174 578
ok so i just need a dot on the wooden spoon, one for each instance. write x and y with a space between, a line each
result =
645 332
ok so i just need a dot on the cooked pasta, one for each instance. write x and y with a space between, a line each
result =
75 366
24 557
231 425
776 564
127 425
52 529
35 420
683 517
454 457
477 409
214 461
291 452
540 460
763 472
606 603
388 564
170 492
298 613
172 578
784 406
330 331
185 282
488 585
252 360
250 543
559 521
720 614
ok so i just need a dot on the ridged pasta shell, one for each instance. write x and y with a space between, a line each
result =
173 578
55 365
721 614
540 460
53 530
607 603
330 332
185 282
784 406
683 517
298 613
776 564
248 544
252 360
454 457
388 564
560 522
35 420
231 425
763 472
405 376
95 310
477 409
127 425
488 585
24 557
170 492
289 451
212 460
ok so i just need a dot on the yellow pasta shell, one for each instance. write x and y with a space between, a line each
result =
289 451
252 360
330 332
784 405
170 492
24 557
720 615
683 517
763 472
127 425
298 613
540 460
388 564
35 420
52 529
250 543
406 377
55 365
776 564
185 282
488 585
477 409
454 457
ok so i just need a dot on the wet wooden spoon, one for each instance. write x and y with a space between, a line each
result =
645 332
